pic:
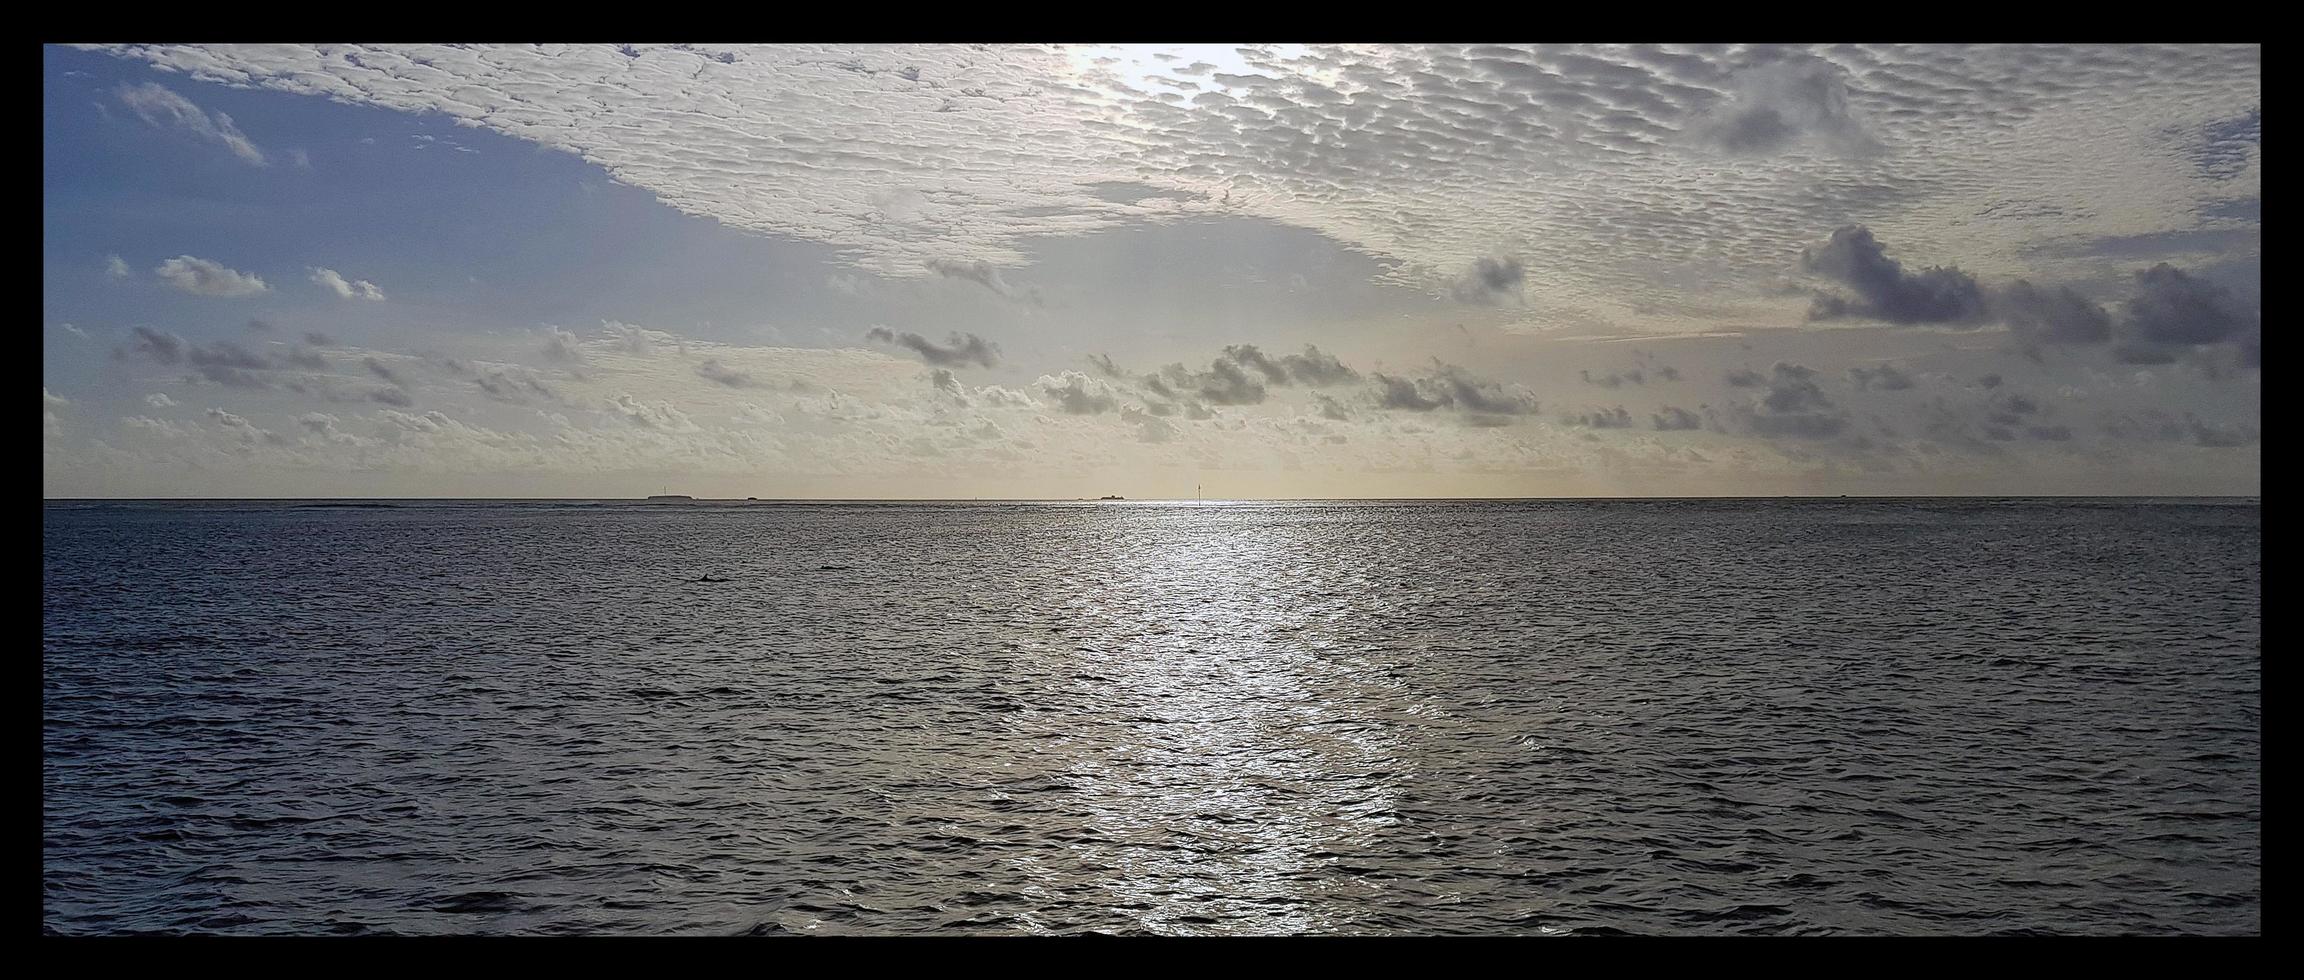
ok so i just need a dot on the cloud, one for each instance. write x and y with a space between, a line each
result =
1615 380
335 282
563 346
512 384
227 363
1795 406
159 400
1226 382
2174 308
1673 419
657 415
1603 418
636 341
2051 316
1472 394
1078 394
165 109
712 370
117 267
202 277
1407 395
248 431
959 349
161 348
1317 369
1491 282
1883 290
1426 154
1783 103
379 369
1882 378
981 273
1451 387
49 404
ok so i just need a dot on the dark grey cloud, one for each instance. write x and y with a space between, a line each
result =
1884 291
2175 308
1104 366
2051 316
1240 375
959 349
391 396
1474 395
1482 402
1491 282
1330 408
1746 378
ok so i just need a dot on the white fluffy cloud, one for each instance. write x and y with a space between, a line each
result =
335 282
202 277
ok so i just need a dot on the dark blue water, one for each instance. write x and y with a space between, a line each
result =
1811 716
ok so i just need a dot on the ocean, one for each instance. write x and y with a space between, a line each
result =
1674 717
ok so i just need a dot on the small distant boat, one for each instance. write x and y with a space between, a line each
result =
1112 497
669 497
708 578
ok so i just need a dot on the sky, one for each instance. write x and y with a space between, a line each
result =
1157 271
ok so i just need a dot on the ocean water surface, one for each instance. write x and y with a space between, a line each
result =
1552 717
